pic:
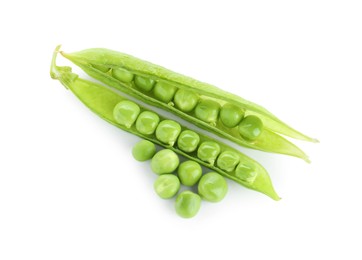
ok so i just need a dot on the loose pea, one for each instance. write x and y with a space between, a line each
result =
207 111
166 186
208 151
227 161
246 172
164 91
168 131
145 84
126 113
122 75
231 115
187 204
212 187
101 68
189 173
165 161
147 122
250 127
144 150
185 100
188 141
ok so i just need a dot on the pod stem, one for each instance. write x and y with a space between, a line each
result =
63 74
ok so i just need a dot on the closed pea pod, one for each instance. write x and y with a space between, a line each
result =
208 151
147 122
185 100
126 113
143 83
187 204
207 111
231 115
168 131
164 91
122 75
188 141
227 161
251 127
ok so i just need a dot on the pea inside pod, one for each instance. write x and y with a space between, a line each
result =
122 75
228 160
207 111
208 151
251 127
164 91
126 113
188 141
147 122
168 131
143 83
231 115
185 100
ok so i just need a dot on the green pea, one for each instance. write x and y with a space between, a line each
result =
250 127
145 84
164 91
143 150
126 113
101 68
207 110
166 186
165 161
188 141
208 151
227 161
147 122
168 131
187 204
185 100
122 75
189 173
231 115
212 187
246 172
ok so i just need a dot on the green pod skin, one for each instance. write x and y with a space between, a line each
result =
102 100
269 140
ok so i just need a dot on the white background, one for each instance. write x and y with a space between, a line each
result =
69 187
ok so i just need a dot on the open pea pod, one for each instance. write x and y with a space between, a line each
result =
105 103
204 105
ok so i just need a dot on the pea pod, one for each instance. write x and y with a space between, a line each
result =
103 101
193 101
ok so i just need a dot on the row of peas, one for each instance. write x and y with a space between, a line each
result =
207 110
169 132
211 186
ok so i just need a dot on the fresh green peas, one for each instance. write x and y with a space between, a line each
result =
208 151
166 186
165 161
187 204
207 111
168 131
188 141
246 172
250 127
101 68
185 100
231 115
189 173
122 75
147 122
144 150
227 161
212 187
145 84
126 113
164 91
